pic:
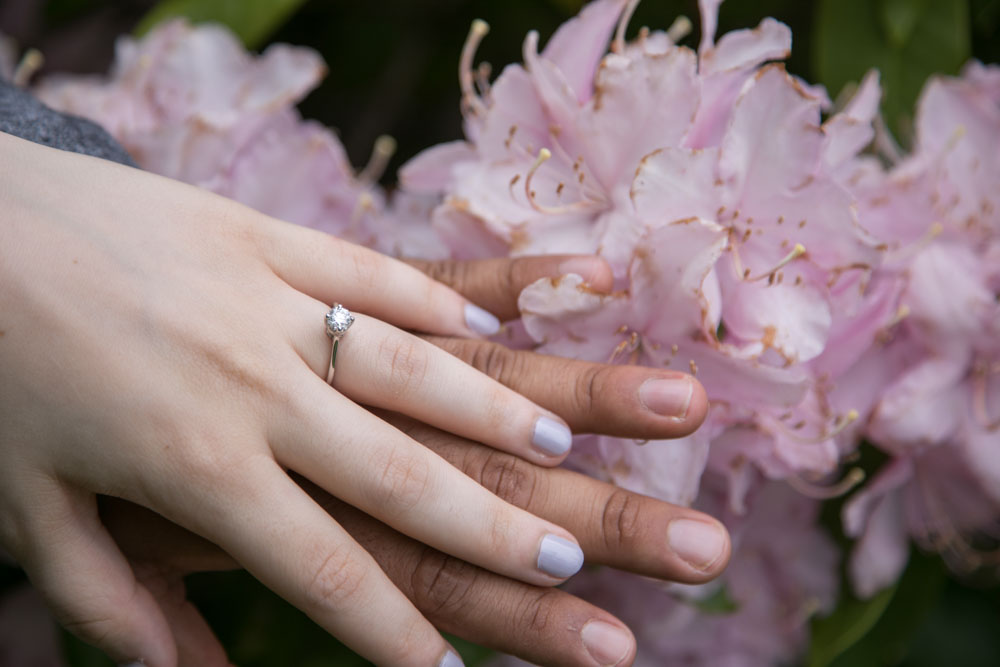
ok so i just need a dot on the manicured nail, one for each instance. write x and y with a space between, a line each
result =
607 644
588 268
699 543
451 659
481 321
559 558
551 437
667 398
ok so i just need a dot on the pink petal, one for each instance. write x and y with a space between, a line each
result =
744 49
848 132
430 171
677 183
639 104
879 557
672 272
579 43
773 142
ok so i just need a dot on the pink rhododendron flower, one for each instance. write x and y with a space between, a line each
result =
820 296
190 103
938 411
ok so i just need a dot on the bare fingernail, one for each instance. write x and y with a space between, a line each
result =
451 659
588 268
552 437
558 557
481 321
667 398
699 543
607 644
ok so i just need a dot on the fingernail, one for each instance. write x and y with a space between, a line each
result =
551 436
137 663
607 644
558 557
667 398
451 659
699 543
481 321
588 268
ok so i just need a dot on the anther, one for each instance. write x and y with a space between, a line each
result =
679 29
382 152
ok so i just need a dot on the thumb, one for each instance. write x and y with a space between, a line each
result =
494 284
87 582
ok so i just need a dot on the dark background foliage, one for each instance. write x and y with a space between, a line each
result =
393 67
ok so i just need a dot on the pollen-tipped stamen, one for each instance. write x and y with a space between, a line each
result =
744 273
382 151
466 77
905 253
679 29
853 477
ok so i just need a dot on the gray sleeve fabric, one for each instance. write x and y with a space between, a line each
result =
23 116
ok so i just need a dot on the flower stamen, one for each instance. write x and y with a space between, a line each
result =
618 46
466 78
382 151
543 156
679 29
853 477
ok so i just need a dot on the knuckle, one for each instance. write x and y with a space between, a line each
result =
539 610
98 631
443 585
337 580
204 461
402 482
509 478
588 388
621 519
406 361
448 271
497 361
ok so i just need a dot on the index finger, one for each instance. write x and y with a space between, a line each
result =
623 401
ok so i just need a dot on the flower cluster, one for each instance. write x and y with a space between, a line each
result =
824 287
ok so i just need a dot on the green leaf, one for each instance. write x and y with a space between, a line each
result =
879 632
899 18
907 40
718 602
849 622
253 21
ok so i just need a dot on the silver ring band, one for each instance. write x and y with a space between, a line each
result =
337 321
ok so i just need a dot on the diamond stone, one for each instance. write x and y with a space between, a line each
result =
338 320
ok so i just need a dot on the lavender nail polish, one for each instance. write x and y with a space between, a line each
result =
481 321
558 557
551 437
451 659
